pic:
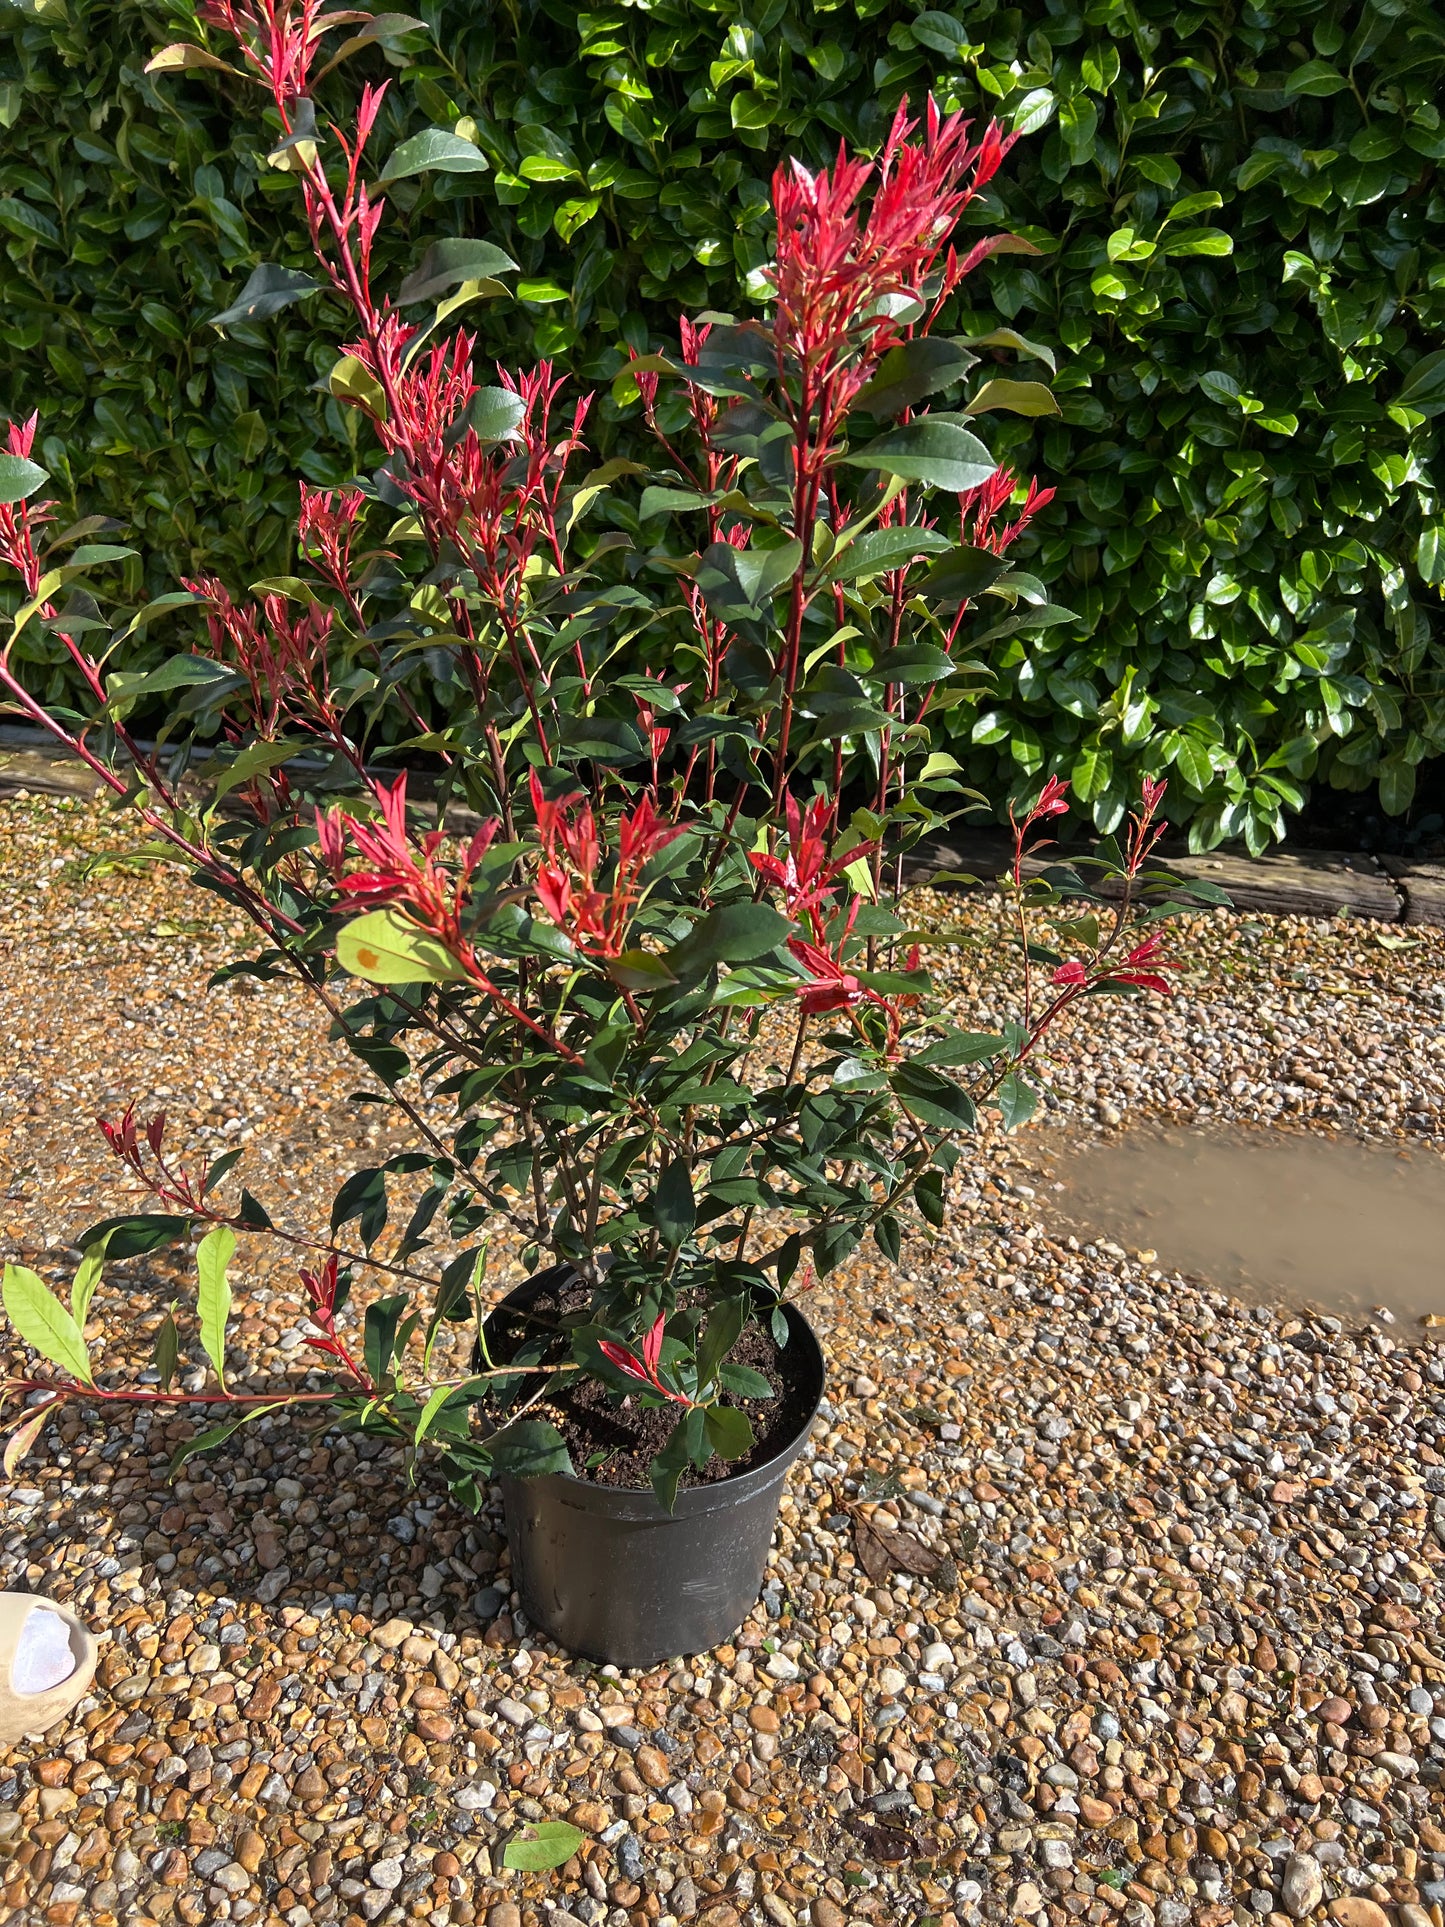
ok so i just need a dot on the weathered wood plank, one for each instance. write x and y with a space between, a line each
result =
1423 887
43 773
1297 883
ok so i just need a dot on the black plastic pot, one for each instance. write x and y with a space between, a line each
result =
608 1574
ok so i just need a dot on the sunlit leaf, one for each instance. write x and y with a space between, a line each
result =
39 1318
937 453
435 150
213 1293
385 947
546 1845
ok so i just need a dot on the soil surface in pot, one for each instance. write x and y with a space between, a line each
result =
631 1434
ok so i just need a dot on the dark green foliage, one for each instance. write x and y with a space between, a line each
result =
1242 280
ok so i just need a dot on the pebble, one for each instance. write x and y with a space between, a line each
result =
1353 1910
1302 1885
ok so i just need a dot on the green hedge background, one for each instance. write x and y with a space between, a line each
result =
1243 280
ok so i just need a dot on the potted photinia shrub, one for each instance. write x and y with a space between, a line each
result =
636 975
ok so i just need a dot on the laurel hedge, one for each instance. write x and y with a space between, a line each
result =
1241 279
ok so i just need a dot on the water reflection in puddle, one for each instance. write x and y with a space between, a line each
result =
1275 1217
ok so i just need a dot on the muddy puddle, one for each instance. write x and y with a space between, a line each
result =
1275 1217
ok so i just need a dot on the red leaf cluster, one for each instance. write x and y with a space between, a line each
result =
593 915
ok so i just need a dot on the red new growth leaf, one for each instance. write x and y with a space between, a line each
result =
19 520
169 1183
981 507
840 279
595 916
643 1369
652 1345
807 874
280 38
326 528
320 1288
1142 966
1144 831
1053 801
403 869
282 655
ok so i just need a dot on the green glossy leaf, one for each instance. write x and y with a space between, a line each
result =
736 933
932 1098
877 551
1016 1100
135 1233
674 1208
743 1382
218 1434
936 453
379 1334
546 1845
1316 78
82 1285
440 1397
967 1047
739 584
39 1318
530 1449
912 371
640 970
1198 240
941 33
350 382
384 26
448 263
268 291
181 57
255 759
385 947
213 1294
19 478
962 573
1397 786
1017 397
1010 338
125 688
496 414
1423 389
435 151
724 1328
687 1444
928 1193
729 1431
168 1350
667 501
914 667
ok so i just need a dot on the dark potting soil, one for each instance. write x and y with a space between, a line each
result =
631 1434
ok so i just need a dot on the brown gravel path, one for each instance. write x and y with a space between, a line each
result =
1183 1661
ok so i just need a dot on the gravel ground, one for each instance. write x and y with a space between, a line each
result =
1182 1660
